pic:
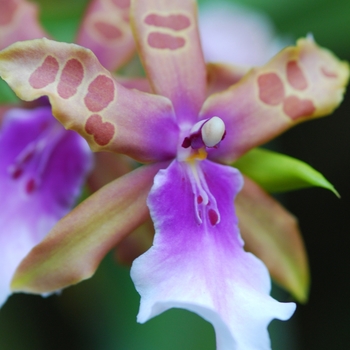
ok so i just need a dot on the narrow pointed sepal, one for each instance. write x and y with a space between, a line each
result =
197 260
272 234
86 98
300 83
74 248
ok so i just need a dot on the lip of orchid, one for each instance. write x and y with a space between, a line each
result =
30 164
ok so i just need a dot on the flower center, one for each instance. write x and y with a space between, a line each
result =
31 162
206 133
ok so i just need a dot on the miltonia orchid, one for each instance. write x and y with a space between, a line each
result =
197 260
43 166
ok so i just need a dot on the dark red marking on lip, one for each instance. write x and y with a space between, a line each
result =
30 186
213 217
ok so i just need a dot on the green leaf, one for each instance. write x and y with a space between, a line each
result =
277 172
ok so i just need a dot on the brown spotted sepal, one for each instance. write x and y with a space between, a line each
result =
169 46
18 21
106 31
86 98
298 84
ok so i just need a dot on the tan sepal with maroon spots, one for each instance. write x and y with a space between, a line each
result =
73 249
86 98
19 21
106 31
166 33
298 84
272 234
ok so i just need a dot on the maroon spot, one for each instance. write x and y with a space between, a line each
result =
199 199
8 10
327 73
123 4
108 31
30 186
16 173
175 22
296 76
271 90
165 41
100 93
186 142
71 77
296 108
45 74
101 131
213 217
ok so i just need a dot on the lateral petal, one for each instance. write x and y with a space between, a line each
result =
19 21
272 234
167 37
203 267
107 32
73 249
85 98
40 178
298 84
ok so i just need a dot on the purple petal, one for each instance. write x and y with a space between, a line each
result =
42 169
197 261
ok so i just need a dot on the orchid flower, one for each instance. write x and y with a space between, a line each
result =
43 166
197 260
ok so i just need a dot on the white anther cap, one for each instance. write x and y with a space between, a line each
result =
213 131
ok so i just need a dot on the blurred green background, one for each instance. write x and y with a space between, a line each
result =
101 313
